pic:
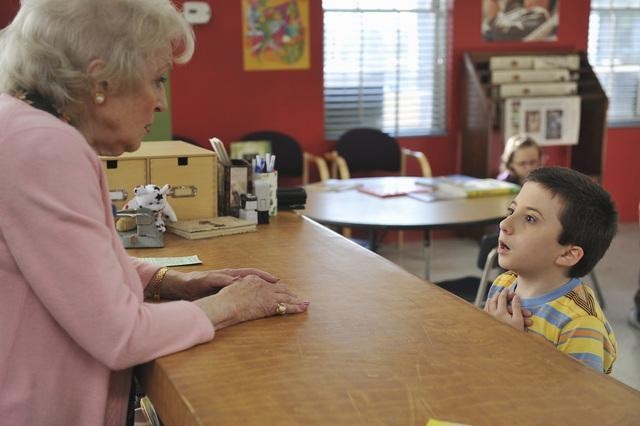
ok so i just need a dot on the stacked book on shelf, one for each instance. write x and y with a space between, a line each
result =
210 227
540 95
545 75
461 186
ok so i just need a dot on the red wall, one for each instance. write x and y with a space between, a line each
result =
622 170
212 95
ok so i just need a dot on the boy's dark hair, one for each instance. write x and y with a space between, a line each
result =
588 218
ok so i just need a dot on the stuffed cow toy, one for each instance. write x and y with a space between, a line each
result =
154 198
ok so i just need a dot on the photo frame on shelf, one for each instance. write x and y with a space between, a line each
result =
549 121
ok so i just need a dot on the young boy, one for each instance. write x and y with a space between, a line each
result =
559 226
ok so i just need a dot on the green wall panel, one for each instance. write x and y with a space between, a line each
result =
161 129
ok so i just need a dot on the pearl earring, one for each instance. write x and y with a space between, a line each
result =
99 98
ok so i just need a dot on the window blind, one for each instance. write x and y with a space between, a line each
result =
384 66
614 53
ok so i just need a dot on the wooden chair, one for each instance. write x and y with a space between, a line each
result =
371 151
291 159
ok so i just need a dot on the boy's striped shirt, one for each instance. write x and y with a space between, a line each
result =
571 319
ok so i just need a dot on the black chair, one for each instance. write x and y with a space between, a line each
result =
291 160
475 289
366 150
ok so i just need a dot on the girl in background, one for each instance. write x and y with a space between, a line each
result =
521 155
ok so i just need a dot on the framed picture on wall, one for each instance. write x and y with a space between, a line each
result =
275 34
548 121
520 20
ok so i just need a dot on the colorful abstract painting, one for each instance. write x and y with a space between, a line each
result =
275 34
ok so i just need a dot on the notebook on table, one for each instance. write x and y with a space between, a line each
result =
196 229
461 186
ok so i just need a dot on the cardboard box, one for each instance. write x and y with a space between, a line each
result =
190 170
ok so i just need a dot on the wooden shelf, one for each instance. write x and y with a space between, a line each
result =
482 137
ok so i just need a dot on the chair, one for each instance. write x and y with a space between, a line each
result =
291 160
596 288
475 289
367 150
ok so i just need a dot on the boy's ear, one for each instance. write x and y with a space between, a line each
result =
570 256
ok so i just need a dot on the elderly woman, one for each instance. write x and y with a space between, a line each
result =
81 78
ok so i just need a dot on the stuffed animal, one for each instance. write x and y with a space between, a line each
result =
154 198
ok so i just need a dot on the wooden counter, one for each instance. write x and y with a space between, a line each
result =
377 346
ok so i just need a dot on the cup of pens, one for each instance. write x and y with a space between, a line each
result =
264 170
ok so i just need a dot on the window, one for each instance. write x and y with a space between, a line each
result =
384 66
614 53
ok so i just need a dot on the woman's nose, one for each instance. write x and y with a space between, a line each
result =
161 102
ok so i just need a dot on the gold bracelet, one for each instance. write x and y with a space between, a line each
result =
156 280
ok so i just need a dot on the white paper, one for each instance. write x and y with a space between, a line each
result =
173 261
332 185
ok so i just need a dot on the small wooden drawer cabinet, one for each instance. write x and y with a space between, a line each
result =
190 170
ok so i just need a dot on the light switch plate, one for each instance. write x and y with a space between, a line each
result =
196 12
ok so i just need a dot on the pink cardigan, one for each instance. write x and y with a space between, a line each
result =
72 317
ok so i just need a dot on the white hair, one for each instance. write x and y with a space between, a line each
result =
50 43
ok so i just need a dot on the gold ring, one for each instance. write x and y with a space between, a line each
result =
281 308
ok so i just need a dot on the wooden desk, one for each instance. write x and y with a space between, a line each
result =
377 346
354 209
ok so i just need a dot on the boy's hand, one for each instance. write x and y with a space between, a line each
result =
514 315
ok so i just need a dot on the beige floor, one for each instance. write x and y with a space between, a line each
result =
617 273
